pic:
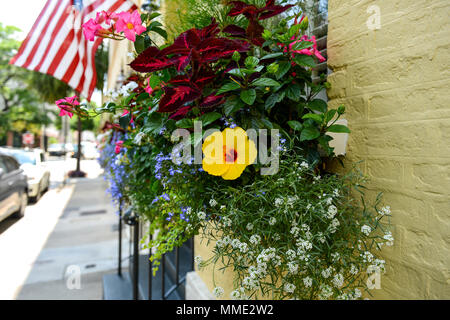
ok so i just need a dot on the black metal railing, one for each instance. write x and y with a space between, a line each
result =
169 281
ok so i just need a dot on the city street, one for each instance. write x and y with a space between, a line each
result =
65 242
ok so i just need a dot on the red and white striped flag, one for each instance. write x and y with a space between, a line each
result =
56 44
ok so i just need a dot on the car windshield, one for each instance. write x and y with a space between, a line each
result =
24 157
56 146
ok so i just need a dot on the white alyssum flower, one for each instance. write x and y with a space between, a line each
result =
289 287
329 201
279 202
201 215
357 294
308 206
390 239
304 165
336 193
385 210
321 237
276 237
338 280
243 247
353 270
367 256
272 221
212 202
238 294
366 229
335 256
249 226
327 272
198 260
291 200
291 254
331 212
326 292
293 267
250 283
255 239
235 243
218 292
303 245
333 226
226 222
307 281
138 138
295 230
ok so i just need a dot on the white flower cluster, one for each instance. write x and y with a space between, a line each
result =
272 221
212 203
307 281
293 267
334 225
218 292
326 273
390 239
201 215
367 256
238 294
385 211
226 222
255 239
325 292
124 90
249 226
378 265
366 229
138 138
289 287
279 202
225 241
338 280
250 282
198 260
331 212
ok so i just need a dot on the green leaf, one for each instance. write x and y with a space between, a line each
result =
153 15
294 92
154 81
318 105
294 29
251 62
210 117
283 68
309 133
265 82
237 72
248 96
228 87
316 117
139 44
338 128
232 104
301 45
304 60
185 123
271 101
161 32
272 55
297 126
330 115
155 24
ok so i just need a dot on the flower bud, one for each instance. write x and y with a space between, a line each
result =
236 56
304 23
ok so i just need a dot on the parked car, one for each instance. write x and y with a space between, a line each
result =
13 187
59 149
32 162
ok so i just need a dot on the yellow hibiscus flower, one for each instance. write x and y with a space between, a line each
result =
228 153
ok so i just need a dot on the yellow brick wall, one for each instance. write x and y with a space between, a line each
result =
395 83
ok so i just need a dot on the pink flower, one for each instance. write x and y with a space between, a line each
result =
66 106
119 145
102 17
90 29
149 89
130 24
309 52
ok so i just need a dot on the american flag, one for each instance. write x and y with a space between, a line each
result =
56 44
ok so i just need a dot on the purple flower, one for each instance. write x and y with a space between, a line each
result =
165 196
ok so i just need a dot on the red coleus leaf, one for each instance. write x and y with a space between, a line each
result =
212 100
149 60
180 113
234 30
175 97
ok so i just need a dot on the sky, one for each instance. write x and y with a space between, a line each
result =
23 14
20 13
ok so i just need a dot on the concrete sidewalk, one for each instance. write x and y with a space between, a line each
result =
80 249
